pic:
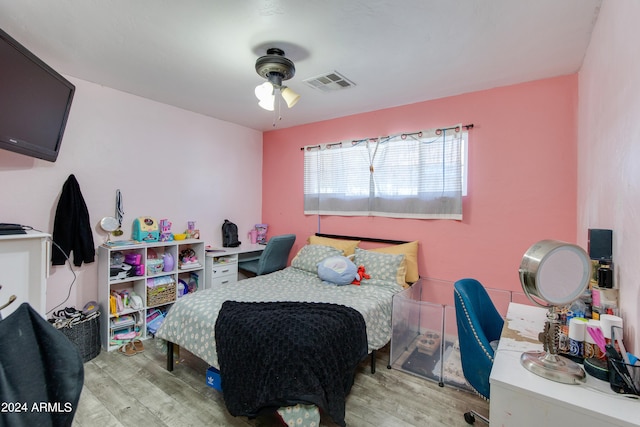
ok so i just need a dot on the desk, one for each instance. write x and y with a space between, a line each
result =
222 263
521 398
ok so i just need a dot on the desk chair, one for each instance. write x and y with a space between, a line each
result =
479 323
273 258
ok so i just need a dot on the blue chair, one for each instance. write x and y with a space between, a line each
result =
273 258
479 324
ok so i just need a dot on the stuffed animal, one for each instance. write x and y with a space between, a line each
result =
361 275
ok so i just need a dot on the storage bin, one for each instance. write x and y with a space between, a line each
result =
213 378
154 266
154 320
85 335
161 293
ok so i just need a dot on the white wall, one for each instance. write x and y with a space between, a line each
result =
609 148
167 162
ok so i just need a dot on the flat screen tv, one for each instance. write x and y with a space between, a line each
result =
34 102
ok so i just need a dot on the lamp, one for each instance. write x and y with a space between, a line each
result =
276 68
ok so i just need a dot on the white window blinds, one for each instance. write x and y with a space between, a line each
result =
413 175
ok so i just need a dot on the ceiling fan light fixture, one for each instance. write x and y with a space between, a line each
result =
289 96
266 97
276 68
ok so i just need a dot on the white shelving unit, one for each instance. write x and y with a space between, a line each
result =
162 297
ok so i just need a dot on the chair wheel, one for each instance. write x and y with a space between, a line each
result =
469 418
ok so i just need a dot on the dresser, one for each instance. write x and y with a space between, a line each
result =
520 398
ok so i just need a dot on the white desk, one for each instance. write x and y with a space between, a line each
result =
521 398
222 263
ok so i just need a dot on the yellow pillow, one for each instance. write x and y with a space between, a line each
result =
410 251
346 246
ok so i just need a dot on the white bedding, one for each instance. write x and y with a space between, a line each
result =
191 321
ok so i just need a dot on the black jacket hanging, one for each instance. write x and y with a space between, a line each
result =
72 228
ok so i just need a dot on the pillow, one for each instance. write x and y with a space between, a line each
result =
346 246
410 251
339 270
381 266
309 256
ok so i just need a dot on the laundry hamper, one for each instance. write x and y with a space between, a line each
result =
86 336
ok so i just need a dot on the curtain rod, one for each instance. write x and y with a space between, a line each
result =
467 127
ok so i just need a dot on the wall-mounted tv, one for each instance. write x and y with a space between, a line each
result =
34 102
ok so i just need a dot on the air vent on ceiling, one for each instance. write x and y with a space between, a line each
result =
329 82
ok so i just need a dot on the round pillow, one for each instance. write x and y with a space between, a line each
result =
339 270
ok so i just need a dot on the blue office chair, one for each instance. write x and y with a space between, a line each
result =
479 324
273 258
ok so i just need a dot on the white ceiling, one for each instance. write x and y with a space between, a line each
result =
200 54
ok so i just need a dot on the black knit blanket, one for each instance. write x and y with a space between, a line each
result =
275 354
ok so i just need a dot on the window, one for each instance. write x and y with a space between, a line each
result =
414 175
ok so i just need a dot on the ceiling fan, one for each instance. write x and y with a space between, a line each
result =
276 68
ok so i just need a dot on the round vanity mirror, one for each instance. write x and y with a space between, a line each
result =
556 273
109 224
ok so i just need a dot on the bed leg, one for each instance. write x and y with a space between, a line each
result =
169 356
373 362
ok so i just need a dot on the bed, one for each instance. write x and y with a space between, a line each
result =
191 322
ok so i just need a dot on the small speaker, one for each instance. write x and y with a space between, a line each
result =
600 244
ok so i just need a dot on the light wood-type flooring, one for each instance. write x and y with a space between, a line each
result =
139 391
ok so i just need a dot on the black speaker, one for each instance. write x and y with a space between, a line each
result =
600 244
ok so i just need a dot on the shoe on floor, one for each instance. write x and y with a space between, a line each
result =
127 349
137 346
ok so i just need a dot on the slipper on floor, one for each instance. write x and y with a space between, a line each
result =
138 347
127 349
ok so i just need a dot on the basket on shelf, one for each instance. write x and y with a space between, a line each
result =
161 294
85 334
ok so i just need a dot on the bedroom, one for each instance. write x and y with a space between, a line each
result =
113 137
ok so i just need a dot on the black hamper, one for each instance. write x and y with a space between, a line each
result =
86 336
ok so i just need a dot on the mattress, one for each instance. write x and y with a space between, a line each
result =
191 321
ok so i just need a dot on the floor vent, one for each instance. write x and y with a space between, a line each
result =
329 82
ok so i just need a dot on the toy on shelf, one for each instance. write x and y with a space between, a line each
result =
191 231
165 230
262 233
167 259
193 282
188 259
145 229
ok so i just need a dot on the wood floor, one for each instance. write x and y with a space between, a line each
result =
139 391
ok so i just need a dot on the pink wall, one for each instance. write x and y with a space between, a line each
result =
522 179
608 151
